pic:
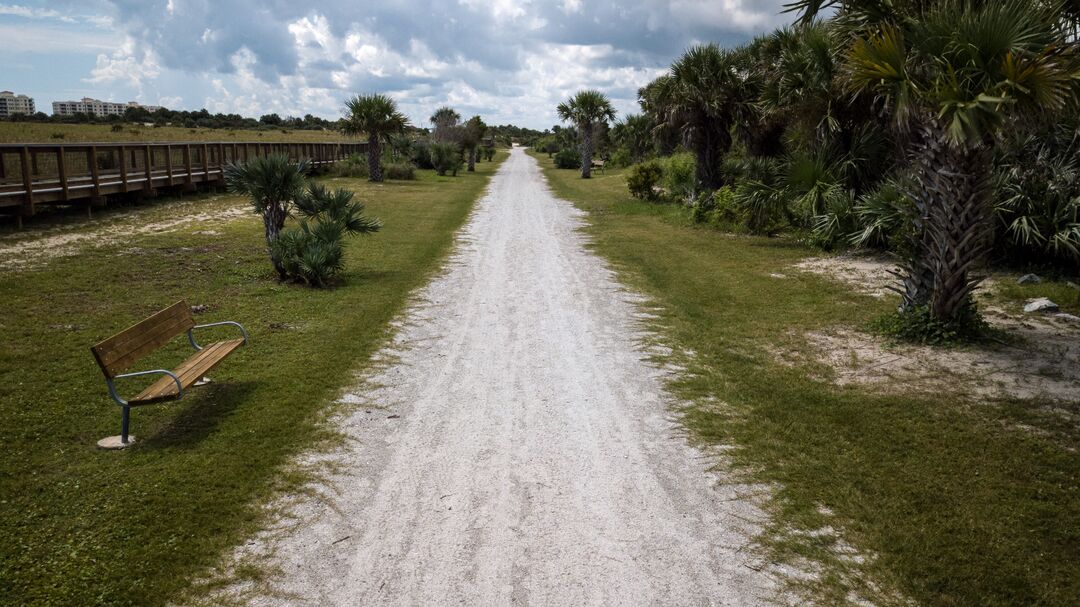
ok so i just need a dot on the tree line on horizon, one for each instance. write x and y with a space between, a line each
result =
204 119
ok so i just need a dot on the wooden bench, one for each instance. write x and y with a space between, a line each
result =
118 353
598 164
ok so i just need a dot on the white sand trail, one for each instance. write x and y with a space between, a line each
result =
526 453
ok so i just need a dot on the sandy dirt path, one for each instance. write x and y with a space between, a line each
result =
516 447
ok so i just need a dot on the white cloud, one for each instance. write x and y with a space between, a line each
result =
126 64
501 10
510 60
571 6
35 39
33 13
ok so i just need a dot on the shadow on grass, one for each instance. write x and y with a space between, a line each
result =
200 415
374 276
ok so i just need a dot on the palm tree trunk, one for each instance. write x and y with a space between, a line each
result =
374 153
953 225
472 160
273 222
711 141
586 150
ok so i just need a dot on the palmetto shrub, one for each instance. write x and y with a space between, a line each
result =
833 226
567 158
1037 189
446 157
882 216
421 155
274 184
313 252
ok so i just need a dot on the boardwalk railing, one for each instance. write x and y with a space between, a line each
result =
33 174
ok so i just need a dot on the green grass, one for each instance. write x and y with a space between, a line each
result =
37 132
953 502
83 526
1057 290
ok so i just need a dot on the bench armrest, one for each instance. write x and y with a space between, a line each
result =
195 344
116 396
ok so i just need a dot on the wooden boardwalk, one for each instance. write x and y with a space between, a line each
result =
87 173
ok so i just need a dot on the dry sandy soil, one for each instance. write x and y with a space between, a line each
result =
1043 364
516 447
21 250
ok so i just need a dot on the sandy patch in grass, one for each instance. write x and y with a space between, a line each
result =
20 251
869 274
1044 362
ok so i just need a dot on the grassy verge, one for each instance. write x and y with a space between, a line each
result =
38 132
88 527
1057 290
948 501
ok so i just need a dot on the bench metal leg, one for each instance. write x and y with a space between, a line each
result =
125 422
124 439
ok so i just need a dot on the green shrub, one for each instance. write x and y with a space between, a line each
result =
883 215
402 171
353 166
446 157
680 176
549 145
918 325
568 158
644 178
833 227
764 206
421 155
57 135
313 252
117 128
1038 202
620 158
489 153
719 209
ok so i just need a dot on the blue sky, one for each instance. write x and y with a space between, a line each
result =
511 61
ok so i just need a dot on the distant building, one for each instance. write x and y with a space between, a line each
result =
96 107
10 104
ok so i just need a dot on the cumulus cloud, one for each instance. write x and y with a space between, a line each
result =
127 64
511 60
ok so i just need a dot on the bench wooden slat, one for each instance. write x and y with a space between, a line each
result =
117 353
189 371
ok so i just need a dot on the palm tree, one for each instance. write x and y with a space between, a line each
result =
378 116
634 132
665 136
401 146
955 75
587 109
274 184
472 136
704 95
444 121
